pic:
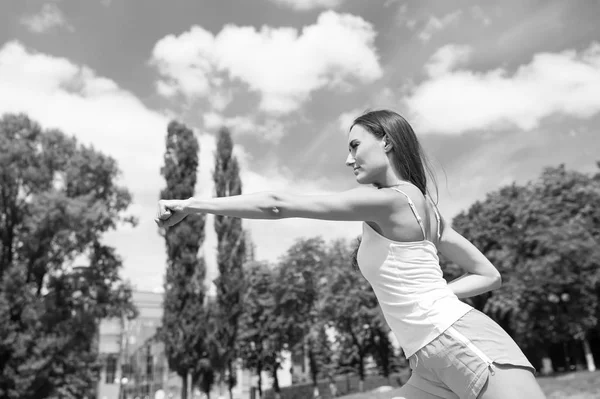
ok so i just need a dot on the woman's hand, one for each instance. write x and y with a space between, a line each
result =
170 212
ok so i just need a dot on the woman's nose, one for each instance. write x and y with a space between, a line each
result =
349 160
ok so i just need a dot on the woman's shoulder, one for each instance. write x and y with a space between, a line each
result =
405 191
385 198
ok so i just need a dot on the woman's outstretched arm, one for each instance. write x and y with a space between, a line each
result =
360 204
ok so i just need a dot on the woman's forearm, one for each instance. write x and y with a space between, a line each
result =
263 205
469 285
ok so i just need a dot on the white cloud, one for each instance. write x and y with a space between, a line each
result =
266 128
305 5
479 14
282 64
346 119
435 25
454 101
403 17
447 58
49 17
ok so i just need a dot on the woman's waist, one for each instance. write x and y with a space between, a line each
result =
427 314
417 300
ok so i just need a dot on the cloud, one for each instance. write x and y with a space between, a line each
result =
479 14
50 17
306 5
447 58
262 127
345 119
403 18
435 25
284 66
453 101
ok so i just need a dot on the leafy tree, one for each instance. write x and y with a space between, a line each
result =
543 238
299 275
260 338
183 329
230 256
57 199
320 354
350 305
382 349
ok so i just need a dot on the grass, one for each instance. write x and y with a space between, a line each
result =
574 385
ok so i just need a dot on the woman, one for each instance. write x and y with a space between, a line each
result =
454 350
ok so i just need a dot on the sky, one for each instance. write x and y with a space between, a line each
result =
496 91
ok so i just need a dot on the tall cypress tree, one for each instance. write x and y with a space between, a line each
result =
230 256
184 321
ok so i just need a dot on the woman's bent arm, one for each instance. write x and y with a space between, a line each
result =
481 275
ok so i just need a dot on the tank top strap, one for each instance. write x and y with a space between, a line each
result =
414 210
437 217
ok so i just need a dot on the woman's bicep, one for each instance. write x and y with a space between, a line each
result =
463 253
360 204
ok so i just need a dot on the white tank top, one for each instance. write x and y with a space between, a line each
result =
409 285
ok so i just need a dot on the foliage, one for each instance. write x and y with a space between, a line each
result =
543 238
299 281
260 340
230 256
57 199
184 319
350 307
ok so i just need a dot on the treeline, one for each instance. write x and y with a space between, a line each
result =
58 198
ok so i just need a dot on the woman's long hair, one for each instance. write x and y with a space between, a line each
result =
408 156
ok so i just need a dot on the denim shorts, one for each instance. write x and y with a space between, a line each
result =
457 363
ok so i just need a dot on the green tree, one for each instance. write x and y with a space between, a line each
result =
184 327
57 199
230 256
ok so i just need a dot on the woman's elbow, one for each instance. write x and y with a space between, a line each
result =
496 281
274 205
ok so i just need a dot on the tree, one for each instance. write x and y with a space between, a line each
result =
260 339
382 348
299 275
543 238
57 199
350 305
230 256
183 329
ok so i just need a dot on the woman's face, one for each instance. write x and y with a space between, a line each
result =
367 156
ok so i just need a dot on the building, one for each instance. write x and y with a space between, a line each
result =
135 363
118 338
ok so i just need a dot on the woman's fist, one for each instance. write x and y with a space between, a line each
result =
170 212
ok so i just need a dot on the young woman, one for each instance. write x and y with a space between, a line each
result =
454 350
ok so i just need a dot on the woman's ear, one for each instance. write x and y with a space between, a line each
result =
387 146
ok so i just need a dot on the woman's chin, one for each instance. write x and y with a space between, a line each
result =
360 179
